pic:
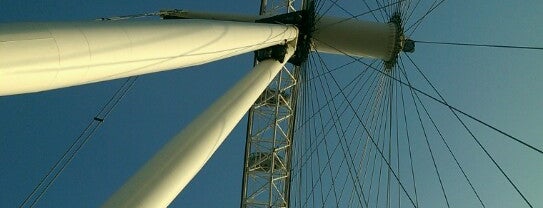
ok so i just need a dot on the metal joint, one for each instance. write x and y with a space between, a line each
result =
401 42
276 52
304 21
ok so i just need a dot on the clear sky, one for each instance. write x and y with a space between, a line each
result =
500 86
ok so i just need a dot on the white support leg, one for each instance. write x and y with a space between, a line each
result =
43 56
170 170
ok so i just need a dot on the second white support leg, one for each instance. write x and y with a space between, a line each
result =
171 169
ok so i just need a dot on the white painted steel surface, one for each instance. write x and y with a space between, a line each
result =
354 37
170 170
42 56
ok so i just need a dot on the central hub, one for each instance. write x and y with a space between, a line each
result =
346 36
358 38
401 42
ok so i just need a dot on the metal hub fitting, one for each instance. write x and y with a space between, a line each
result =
401 42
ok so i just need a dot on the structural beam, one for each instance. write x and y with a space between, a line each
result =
355 38
270 131
44 56
170 170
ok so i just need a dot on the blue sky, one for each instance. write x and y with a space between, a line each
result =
499 86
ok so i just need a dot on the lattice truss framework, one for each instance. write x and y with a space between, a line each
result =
268 150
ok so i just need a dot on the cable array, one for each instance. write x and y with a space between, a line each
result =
67 157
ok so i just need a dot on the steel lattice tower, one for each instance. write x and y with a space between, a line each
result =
270 129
